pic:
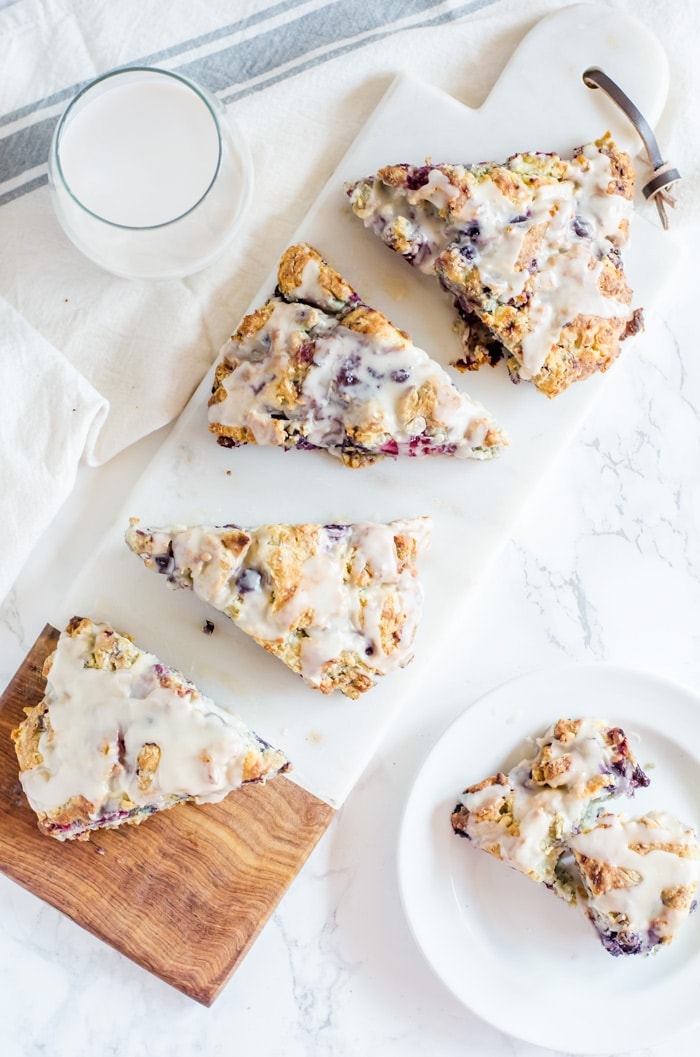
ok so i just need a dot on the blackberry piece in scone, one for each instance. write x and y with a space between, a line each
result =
317 368
639 878
119 736
530 248
526 816
338 604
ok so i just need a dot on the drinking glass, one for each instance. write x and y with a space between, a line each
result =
150 176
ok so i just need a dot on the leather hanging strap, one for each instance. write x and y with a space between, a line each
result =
665 175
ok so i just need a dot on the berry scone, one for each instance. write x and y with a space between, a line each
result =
526 816
529 249
639 878
119 736
338 604
317 368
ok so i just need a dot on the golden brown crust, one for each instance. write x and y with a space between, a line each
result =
499 811
678 897
253 322
494 779
236 434
682 850
364 320
419 403
602 877
621 167
290 274
565 730
290 547
255 767
222 372
392 175
587 345
357 459
147 763
75 812
547 770
26 736
531 242
76 626
237 541
612 283
391 623
406 548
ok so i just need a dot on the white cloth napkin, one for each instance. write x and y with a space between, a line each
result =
96 362
51 415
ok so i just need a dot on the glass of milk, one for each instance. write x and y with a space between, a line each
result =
149 175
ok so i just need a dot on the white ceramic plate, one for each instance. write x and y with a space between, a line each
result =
507 948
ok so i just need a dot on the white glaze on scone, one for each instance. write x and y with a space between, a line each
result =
531 246
339 604
119 735
526 816
640 877
317 368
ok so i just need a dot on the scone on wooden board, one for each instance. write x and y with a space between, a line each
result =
317 368
530 250
119 735
338 604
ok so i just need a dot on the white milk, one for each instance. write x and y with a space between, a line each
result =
146 176
140 154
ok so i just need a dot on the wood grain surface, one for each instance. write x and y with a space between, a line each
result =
186 893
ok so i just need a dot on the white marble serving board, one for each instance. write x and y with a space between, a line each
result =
539 102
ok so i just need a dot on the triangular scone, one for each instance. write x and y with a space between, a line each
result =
119 736
315 367
530 250
339 604
525 817
639 878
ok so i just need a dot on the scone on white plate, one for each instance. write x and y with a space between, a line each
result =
526 816
639 878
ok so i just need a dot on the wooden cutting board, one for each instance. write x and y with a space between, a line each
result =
190 927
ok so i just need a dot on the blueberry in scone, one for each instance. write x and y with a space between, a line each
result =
119 736
530 250
317 368
638 878
525 817
338 604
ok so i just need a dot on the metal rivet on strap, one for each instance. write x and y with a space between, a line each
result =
665 175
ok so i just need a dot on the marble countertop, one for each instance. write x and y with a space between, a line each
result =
603 566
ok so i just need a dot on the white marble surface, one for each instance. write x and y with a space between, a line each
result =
604 566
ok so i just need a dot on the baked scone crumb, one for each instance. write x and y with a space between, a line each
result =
530 250
317 368
119 736
338 604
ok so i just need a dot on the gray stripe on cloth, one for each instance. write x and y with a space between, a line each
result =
335 26
353 45
338 24
157 56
